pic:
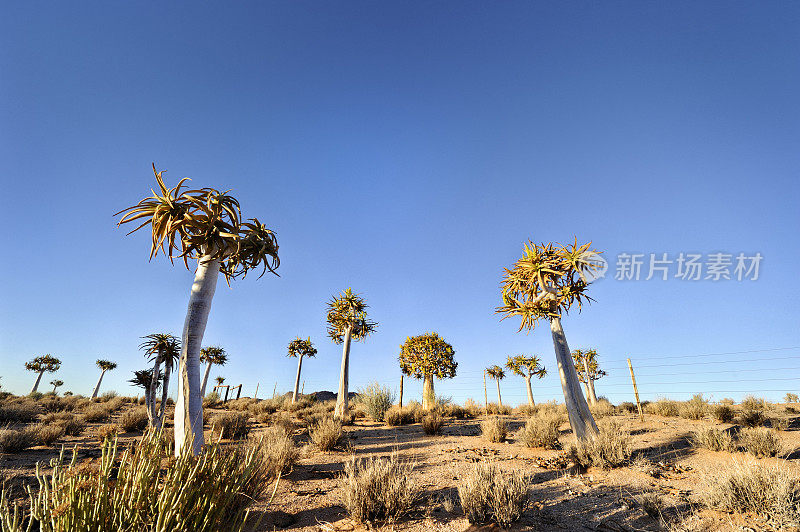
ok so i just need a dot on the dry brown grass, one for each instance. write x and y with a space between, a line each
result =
15 441
663 407
723 413
46 434
542 430
694 408
494 408
22 412
73 426
752 411
231 425
107 431
397 416
278 451
134 420
487 495
326 434
603 408
377 489
609 448
760 441
494 429
714 439
433 423
97 413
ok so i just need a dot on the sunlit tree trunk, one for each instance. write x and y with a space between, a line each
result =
428 395
530 391
499 397
205 380
589 383
159 420
97 388
592 395
580 417
401 391
189 404
297 379
341 398
154 388
36 384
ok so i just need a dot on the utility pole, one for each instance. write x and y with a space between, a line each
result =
485 393
255 395
275 390
635 390
401 390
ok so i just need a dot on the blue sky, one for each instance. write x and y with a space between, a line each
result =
408 150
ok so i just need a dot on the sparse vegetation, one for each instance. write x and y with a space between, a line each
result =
608 449
760 441
231 425
714 439
663 407
133 420
278 451
376 400
694 408
15 441
327 433
397 416
377 489
489 495
723 413
46 434
433 423
494 429
97 413
542 430
752 411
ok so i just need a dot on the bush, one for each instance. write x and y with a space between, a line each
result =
231 425
326 433
107 431
714 439
19 412
602 408
494 429
489 496
15 441
396 416
278 451
109 395
628 408
432 423
376 400
97 413
210 400
771 492
472 409
791 398
663 407
377 489
526 410
542 430
134 420
455 411
73 426
694 408
135 491
752 414
761 442
57 417
609 448
723 413
46 434
494 408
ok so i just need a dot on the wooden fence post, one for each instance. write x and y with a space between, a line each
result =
485 393
635 390
255 395
401 390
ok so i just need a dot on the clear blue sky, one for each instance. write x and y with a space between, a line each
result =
406 149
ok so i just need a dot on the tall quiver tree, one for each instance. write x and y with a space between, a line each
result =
104 365
213 355
300 348
347 321
424 357
543 285
497 373
160 348
588 370
143 378
204 225
41 365
526 367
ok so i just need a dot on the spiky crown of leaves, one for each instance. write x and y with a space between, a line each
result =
427 355
300 347
214 354
547 281
190 224
348 310
496 372
162 345
46 363
144 377
578 355
526 366
106 365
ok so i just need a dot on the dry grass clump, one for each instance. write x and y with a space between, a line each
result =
541 430
714 439
376 400
627 407
278 451
57 417
602 408
231 425
494 408
779 423
723 413
526 410
56 404
266 406
494 429
397 416
97 413
73 426
25 412
241 405
609 448
487 495
134 420
752 414
210 400
377 489
455 411
433 423
46 434
663 407
694 408
107 431
15 441
760 441
283 420
327 433
114 403
473 409
772 492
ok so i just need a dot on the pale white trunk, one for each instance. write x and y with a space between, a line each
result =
530 391
154 389
297 379
589 383
428 395
580 417
592 395
499 398
97 388
36 384
189 404
341 399
159 419
205 380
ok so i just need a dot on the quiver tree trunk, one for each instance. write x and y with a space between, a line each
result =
428 395
297 379
97 388
205 380
589 382
401 391
530 390
341 398
36 384
580 417
154 388
159 419
592 395
189 404
499 397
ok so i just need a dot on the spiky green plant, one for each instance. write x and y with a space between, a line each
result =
588 370
526 367
427 356
300 348
41 365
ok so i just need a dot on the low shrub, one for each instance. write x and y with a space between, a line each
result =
109 395
473 409
723 413
496 409
433 423
779 423
494 429
97 413
752 411
602 408
609 448
713 439
694 408
526 410
57 417
46 434
134 420
19 412
397 416
278 451
663 407
283 421
760 441
210 400
326 434
231 425
377 489
487 495
791 398
542 430
107 431
73 426
376 400
15 441
628 408
455 411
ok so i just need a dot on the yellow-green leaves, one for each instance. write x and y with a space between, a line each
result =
106 365
214 354
590 355
427 354
162 345
46 363
301 348
496 372
348 310
526 366
546 281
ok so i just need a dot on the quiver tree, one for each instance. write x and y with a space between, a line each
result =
160 348
424 357
40 365
56 383
526 367
497 373
213 355
588 370
300 348
143 378
204 225
104 365
220 380
347 320
543 285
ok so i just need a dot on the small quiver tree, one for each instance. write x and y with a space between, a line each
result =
212 355
104 365
300 348
424 357
56 383
143 378
41 365
497 373
160 348
588 370
526 367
